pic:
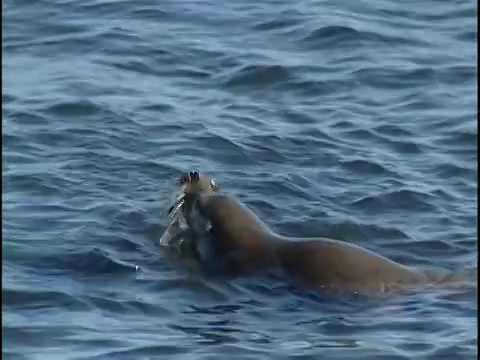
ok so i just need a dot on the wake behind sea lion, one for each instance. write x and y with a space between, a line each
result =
246 244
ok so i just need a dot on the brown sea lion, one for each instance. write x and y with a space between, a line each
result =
246 244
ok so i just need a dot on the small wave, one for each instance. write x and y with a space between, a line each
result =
395 131
135 66
338 35
296 116
106 303
266 147
404 200
448 170
366 167
35 299
7 99
34 184
142 67
208 335
276 24
25 117
459 140
400 146
332 31
405 147
314 88
257 75
359 135
457 75
73 108
105 8
468 36
158 108
140 352
132 219
149 13
392 78
442 246
89 263
11 354
223 148
192 73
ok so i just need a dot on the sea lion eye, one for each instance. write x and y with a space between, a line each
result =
213 184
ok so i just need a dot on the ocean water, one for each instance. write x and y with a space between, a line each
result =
349 119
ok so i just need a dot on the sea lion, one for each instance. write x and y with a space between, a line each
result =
246 244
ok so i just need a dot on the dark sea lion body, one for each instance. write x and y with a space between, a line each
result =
245 244
248 245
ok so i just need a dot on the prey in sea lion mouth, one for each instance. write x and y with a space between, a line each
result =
187 227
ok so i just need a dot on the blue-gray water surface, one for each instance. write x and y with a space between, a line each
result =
349 119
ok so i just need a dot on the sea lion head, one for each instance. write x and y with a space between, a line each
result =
193 186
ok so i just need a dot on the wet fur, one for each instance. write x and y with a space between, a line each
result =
245 244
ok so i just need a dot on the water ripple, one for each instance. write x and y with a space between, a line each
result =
352 120
260 75
337 36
